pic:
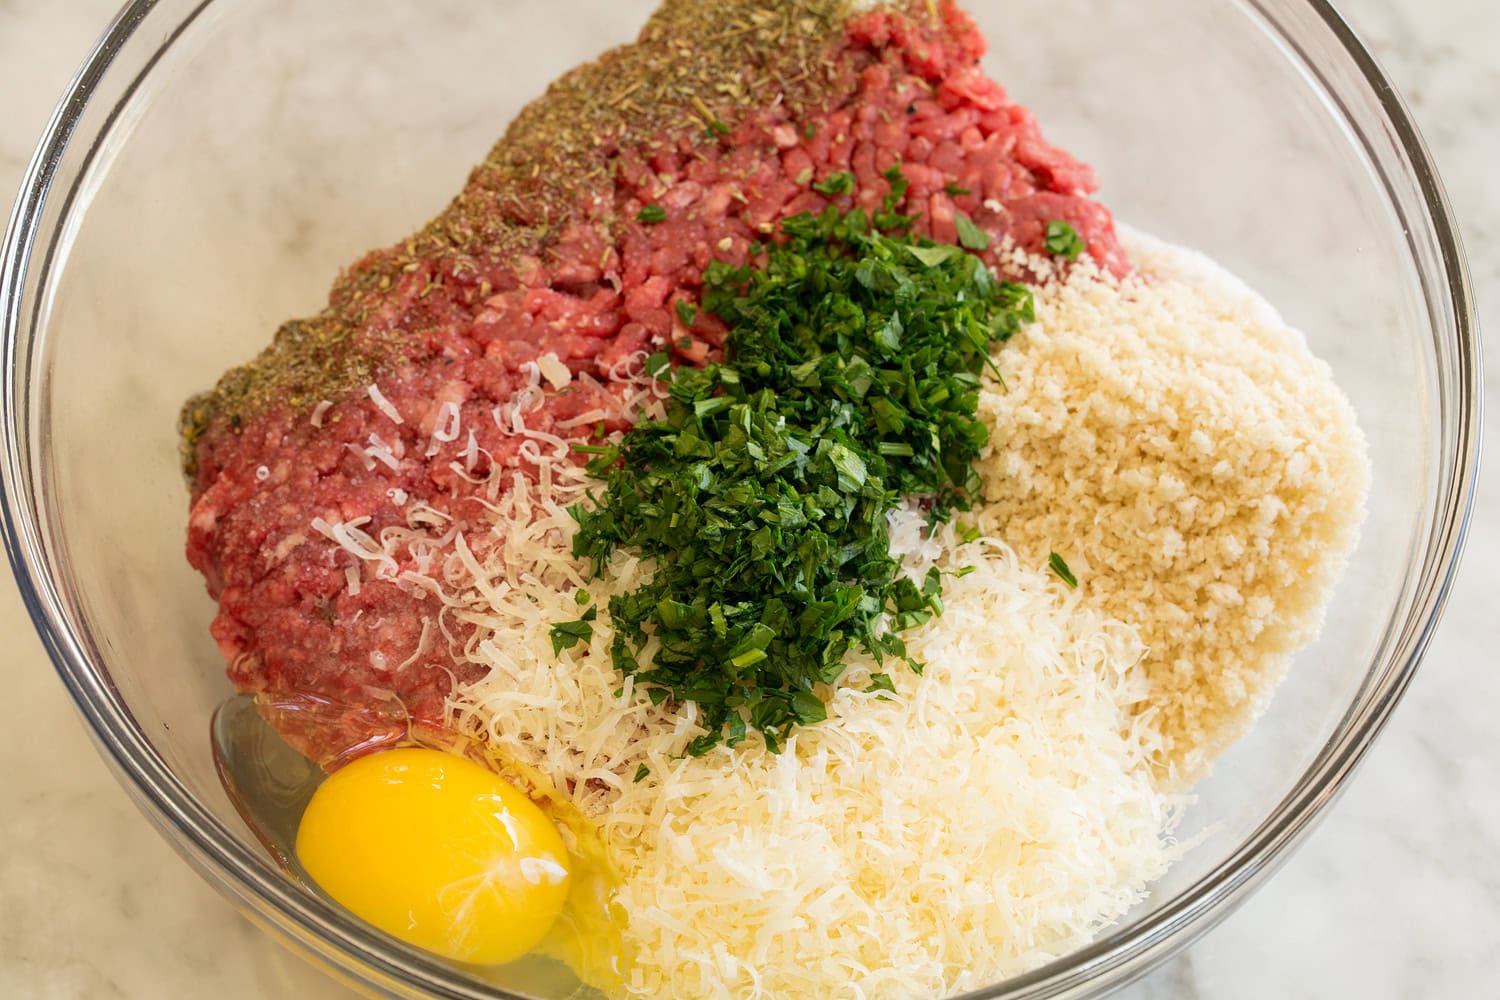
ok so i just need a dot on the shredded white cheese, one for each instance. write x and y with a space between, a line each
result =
383 404
382 452
471 452
446 429
998 810
588 418
348 536
363 454
424 643
553 370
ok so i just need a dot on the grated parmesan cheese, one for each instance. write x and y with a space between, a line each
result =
348 536
472 451
553 370
446 429
994 813
362 453
383 404
382 452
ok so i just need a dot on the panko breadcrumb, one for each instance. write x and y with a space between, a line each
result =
1195 465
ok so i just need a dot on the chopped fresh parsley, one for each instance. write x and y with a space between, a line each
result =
566 635
888 220
658 366
1057 565
970 235
715 128
850 380
1063 240
932 256
652 214
838 182
641 773
687 312
954 190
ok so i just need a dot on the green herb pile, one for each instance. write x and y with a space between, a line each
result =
850 381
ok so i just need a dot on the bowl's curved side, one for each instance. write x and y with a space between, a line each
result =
39 227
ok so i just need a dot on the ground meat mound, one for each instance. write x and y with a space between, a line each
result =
458 330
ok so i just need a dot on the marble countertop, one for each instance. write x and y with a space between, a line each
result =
1396 895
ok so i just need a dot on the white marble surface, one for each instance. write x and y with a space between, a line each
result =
1396 895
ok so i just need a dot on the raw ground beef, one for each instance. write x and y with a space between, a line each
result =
459 327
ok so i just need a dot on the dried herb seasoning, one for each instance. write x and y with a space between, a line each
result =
698 68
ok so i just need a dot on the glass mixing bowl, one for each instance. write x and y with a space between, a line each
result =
216 161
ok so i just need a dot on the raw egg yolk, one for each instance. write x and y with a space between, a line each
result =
438 851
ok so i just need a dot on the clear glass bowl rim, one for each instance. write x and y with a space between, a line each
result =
377 962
